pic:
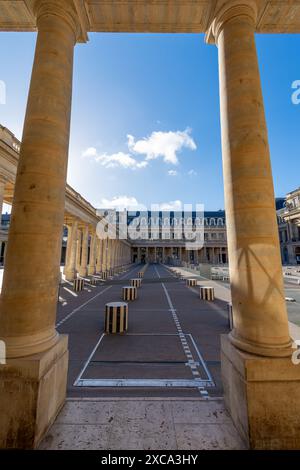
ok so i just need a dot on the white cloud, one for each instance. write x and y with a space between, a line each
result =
162 144
173 173
131 203
171 206
159 144
90 152
192 173
114 160
121 203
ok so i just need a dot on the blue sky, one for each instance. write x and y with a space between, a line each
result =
145 118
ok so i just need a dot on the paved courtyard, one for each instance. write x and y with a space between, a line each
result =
172 347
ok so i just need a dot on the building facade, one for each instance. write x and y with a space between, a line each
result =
289 228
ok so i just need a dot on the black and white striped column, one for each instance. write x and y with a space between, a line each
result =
191 282
78 285
116 317
136 282
129 293
207 293
141 274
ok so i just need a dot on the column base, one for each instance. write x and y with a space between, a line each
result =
33 390
82 272
91 270
262 396
70 275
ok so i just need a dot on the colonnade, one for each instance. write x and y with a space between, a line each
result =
256 354
212 255
87 254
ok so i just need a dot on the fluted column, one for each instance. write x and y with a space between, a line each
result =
78 249
84 251
259 310
31 277
99 255
92 261
104 253
70 265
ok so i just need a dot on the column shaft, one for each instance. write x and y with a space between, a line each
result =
31 277
92 261
84 252
70 265
258 299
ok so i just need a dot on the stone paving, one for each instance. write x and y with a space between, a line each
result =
143 424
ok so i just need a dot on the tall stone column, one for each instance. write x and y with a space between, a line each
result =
257 371
78 249
99 255
34 379
84 251
70 265
92 261
254 255
104 254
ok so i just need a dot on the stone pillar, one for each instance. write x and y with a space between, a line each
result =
84 252
78 249
254 254
70 265
99 254
34 379
259 385
92 261
104 254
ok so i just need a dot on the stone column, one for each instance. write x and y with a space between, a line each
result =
84 252
99 255
78 249
92 261
29 295
70 265
104 254
257 372
34 379
255 266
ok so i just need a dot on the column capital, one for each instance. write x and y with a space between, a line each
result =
229 11
66 10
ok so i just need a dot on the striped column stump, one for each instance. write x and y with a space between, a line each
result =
191 282
93 281
207 293
104 275
78 285
230 316
129 293
116 317
141 274
136 282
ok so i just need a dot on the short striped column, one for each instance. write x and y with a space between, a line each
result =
129 293
191 282
230 316
207 293
116 317
93 281
104 275
78 285
141 274
136 282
